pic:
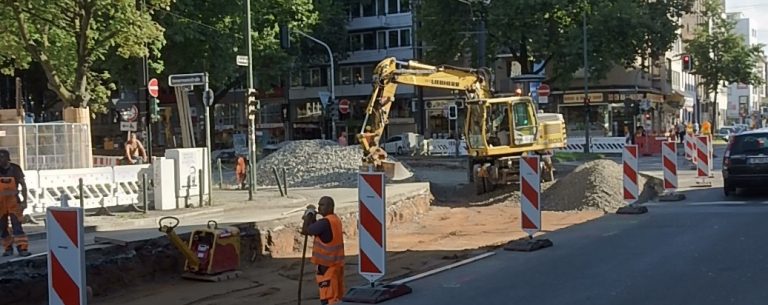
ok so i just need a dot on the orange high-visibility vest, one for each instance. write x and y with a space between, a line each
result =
332 253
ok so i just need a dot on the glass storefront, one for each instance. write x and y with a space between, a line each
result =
575 120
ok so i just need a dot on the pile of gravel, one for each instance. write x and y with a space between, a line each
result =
595 185
312 163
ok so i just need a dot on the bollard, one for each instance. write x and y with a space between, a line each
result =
144 191
277 179
221 176
285 182
250 180
200 186
81 189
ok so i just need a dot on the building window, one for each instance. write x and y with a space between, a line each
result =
355 42
369 41
369 8
392 6
381 7
354 10
296 79
350 75
676 80
314 77
399 38
405 6
381 39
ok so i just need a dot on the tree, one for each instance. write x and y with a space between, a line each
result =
722 56
207 36
72 39
550 32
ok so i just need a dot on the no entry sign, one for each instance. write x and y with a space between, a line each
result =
153 87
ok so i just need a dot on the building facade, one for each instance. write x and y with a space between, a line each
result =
377 29
744 101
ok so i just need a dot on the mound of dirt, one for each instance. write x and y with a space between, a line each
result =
595 185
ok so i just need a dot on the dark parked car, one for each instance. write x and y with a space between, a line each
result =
745 164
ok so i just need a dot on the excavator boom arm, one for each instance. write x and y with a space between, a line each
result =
389 73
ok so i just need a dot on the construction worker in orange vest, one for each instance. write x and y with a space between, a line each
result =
327 249
12 206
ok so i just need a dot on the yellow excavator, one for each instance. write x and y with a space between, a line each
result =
497 130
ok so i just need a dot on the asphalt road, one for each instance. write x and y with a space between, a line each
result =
706 250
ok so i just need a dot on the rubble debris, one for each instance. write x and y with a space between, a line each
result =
595 185
312 163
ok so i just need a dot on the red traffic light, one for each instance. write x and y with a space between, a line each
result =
686 58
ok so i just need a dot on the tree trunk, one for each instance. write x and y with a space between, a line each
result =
714 112
81 116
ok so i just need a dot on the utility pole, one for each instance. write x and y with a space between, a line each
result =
332 80
586 84
147 100
251 122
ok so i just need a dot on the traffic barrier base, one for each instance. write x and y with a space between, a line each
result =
376 294
632 209
672 196
528 244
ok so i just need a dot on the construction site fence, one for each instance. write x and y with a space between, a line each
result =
43 146
102 187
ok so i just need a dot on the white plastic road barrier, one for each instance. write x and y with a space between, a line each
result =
66 256
629 163
702 156
669 162
530 189
372 225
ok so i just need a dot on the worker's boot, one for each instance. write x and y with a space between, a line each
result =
8 252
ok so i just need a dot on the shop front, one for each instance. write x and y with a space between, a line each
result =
438 123
307 119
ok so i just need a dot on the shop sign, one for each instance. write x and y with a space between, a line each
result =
579 98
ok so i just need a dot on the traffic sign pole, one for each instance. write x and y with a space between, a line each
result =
153 87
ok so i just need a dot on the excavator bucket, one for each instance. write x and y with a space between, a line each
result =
395 171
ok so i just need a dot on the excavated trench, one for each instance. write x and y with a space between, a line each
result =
113 268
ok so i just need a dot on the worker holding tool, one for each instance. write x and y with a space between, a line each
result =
11 206
327 249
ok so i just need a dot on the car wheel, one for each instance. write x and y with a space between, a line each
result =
728 189
400 151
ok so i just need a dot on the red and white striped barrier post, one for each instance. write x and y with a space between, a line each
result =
687 146
703 162
66 257
631 184
669 165
372 237
530 205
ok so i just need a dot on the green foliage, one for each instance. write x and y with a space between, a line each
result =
722 55
550 31
206 36
72 41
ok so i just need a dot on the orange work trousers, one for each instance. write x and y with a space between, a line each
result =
11 210
330 280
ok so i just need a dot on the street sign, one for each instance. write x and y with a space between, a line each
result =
153 87
131 114
208 97
543 99
195 79
515 69
242 60
344 106
324 97
543 90
129 126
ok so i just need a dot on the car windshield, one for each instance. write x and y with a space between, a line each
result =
750 144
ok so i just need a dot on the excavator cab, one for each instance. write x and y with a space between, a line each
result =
500 124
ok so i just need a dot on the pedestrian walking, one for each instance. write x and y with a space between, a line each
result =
241 172
327 249
12 206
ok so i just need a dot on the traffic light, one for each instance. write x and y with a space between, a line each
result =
452 115
333 110
252 100
687 63
154 108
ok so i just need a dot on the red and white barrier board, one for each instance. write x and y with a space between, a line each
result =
669 162
703 157
530 191
629 164
687 147
372 225
66 256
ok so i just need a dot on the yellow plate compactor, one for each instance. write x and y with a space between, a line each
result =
213 253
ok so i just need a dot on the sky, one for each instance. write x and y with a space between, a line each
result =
756 11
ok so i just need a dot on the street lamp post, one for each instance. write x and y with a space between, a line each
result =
251 122
586 84
333 78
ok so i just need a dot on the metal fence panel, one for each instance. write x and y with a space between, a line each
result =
46 145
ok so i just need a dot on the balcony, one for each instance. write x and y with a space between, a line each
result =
377 22
342 90
404 53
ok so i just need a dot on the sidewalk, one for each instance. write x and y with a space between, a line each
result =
229 207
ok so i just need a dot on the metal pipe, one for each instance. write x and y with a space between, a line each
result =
81 189
251 123
333 77
144 192
221 175
586 83
285 182
277 180
200 186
